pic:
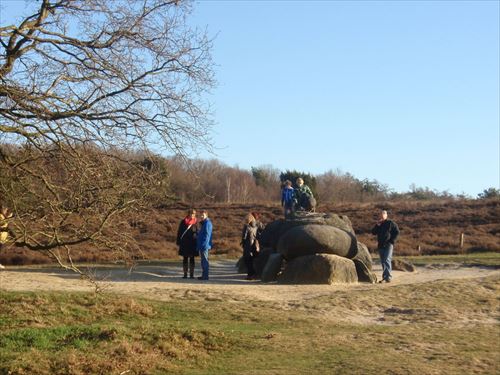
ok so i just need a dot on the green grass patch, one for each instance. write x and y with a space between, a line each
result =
488 259
80 333
56 338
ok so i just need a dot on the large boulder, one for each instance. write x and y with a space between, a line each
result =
260 261
313 238
339 221
275 229
272 268
402 265
319 269
364 274
364 255
270 234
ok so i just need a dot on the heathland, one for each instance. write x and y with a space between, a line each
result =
427 227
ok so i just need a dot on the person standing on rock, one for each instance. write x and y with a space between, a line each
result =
5 215
250 244
304 196
204 243
387 232
186 240
288 199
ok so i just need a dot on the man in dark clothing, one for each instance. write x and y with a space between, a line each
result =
387 232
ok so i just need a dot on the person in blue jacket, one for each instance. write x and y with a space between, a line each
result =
204 243
288 200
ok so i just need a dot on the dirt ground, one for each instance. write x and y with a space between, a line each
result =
162 281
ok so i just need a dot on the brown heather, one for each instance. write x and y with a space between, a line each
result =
435 226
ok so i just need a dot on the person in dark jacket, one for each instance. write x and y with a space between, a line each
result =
250 244
387 232
204 243
186 240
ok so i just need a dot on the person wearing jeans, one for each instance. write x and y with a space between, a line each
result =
387 232
204 244
385 254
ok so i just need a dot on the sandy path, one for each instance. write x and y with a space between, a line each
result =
163 282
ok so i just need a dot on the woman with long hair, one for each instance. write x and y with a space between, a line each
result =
250 244
186 239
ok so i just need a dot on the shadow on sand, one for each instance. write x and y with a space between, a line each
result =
221 272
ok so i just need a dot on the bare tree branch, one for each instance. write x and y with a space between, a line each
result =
87 88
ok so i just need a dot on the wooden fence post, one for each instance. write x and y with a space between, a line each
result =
461 241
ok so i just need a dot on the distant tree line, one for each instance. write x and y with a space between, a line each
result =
176 179
489 193
211 181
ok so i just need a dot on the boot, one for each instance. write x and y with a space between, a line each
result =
191 270
185 268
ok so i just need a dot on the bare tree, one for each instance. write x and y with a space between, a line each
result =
85 85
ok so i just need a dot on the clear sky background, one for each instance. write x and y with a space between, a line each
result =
398 91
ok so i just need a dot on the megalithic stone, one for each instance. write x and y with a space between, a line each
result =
312 239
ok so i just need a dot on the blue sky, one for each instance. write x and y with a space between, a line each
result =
399 91
402 92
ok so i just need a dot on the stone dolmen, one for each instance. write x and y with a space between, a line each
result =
312 248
